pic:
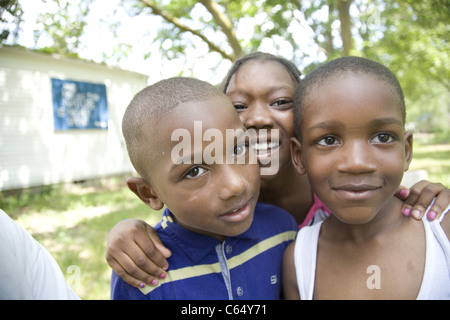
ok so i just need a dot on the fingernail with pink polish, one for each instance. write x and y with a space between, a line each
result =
403 193
406 212
431 215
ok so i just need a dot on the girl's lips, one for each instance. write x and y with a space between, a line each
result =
265 142
239 214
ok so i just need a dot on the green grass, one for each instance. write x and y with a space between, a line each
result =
73 223
434 158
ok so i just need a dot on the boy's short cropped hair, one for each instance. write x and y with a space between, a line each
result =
335 68
149 108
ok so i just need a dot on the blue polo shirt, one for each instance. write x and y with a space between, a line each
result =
245 267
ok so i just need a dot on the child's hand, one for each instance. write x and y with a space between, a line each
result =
136 254
420 196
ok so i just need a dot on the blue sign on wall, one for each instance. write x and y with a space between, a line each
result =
79 105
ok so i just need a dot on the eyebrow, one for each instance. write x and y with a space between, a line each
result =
386 121
373 123
269 91
190 158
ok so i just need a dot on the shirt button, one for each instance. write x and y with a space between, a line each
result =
240 291
228 249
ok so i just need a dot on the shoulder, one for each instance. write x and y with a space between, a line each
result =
166 228
120 290
266 213
289 277
7 226
272 225
27 269
16 240
288 257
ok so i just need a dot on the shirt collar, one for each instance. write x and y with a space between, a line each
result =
197 245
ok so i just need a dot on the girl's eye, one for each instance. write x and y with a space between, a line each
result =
383 138
282 103
327 141
195 172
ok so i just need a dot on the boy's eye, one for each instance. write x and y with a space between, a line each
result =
239 150
195 172
383 138
327 141
239 107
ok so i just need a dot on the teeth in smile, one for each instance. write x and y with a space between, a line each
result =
265 146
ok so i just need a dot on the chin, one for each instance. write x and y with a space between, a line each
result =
355 216
267 177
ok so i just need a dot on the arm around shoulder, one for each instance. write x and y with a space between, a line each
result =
289 277
135 252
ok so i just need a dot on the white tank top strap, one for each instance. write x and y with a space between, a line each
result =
305 257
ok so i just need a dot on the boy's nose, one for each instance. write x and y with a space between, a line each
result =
233 183
356 158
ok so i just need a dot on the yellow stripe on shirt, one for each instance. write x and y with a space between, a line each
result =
204 269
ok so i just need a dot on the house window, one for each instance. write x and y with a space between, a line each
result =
79 105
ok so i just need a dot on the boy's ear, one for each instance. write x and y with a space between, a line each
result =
145 192
297 156
408 149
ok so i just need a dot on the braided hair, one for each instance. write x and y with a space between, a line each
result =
261 56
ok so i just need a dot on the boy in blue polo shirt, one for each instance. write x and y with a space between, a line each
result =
224 244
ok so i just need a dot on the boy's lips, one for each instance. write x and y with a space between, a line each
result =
239 212
356 192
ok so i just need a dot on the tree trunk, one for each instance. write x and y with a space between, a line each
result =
346 26
329 47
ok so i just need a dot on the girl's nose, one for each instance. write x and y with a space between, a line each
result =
257 116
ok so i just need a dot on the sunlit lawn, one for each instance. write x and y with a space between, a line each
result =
73 223
434 158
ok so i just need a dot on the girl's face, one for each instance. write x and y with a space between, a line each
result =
262 94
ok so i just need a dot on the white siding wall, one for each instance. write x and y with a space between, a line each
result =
31 152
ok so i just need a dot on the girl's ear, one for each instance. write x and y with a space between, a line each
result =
408 149
297 156
145 192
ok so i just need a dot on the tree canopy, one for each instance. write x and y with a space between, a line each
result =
410 37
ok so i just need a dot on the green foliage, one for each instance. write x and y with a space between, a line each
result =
415 45
64 26
411 37
10 18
